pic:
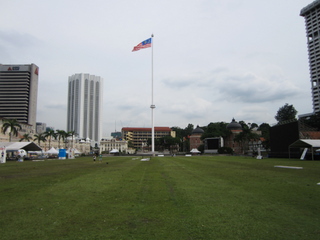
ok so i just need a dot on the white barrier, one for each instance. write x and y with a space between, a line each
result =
291 167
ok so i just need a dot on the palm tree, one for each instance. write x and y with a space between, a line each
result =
13 125
60 134
26 137
50 134
40 137
71 133
66 135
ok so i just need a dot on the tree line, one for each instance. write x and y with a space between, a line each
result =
219 129
182 139
14 127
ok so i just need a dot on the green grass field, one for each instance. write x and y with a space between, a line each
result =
203 197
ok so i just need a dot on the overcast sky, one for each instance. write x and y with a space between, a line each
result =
213 59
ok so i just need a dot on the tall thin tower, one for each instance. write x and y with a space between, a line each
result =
85 106
311 13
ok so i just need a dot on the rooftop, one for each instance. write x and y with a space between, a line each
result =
142 129
304 11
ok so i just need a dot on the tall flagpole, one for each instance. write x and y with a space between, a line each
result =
152 105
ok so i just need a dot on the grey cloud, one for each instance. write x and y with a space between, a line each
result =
250 88
225 84
56 106
177 83
17 39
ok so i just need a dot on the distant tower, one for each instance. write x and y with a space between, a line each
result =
235 128
85 106
19 93
311 13
195 138
41 127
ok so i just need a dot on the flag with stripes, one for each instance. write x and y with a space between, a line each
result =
144 44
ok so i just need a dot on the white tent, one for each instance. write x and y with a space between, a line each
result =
194 150
76 151
306 143
114 151
14 146
52 151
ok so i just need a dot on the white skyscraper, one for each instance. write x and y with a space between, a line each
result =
85 106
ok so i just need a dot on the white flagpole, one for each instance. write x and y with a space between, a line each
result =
152 105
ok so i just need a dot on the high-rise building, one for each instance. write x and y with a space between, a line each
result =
311 13
19 92
41 127
85 106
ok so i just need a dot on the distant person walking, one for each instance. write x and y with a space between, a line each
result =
100 158
94 158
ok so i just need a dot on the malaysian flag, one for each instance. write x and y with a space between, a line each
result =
144 44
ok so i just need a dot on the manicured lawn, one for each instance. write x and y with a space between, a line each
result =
203 197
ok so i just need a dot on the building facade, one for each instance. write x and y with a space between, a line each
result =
106 145
139 136
41 127
235 128
195 138
311 13
19 93
84 114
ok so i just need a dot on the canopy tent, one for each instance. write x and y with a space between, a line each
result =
76 151
114 151
305 143
15 146
194 150
52 151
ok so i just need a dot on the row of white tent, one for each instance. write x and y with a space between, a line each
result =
29 147
56 151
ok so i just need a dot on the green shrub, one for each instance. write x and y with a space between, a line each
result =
225 150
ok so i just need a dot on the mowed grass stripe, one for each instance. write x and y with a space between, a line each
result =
243 193
165 198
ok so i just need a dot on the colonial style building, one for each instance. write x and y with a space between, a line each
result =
235 128
195 138
106 145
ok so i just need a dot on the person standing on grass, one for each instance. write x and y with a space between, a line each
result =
94 158
100 158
